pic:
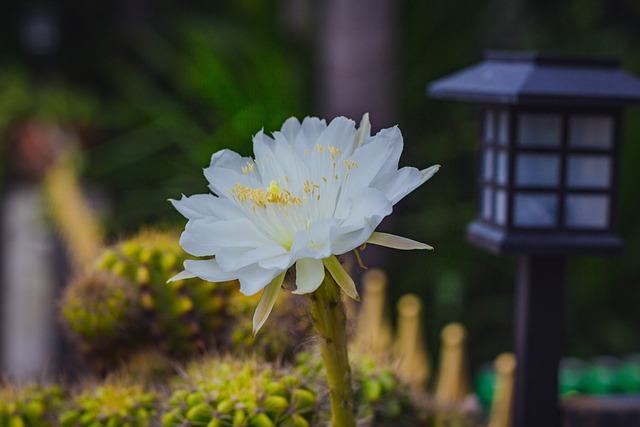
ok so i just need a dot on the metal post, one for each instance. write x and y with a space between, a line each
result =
538 341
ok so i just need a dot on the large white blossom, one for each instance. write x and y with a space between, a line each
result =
313 191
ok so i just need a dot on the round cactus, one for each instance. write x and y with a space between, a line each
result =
182 316
127 291
240 393
111 406
33 406
100 313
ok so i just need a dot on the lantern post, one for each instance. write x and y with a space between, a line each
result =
547 185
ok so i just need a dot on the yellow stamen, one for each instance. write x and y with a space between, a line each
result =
350 163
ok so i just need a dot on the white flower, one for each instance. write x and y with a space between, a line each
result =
313 191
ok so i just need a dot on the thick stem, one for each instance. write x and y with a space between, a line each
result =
327 311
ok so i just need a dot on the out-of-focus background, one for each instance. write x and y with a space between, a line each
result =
148 90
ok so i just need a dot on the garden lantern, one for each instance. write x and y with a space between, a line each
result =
547 187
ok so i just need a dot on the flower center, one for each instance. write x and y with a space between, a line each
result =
275 194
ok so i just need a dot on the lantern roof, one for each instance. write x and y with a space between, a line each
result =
540 78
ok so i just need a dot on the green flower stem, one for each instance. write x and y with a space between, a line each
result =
327 312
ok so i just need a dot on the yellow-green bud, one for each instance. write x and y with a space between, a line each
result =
275 405
261 420
200 413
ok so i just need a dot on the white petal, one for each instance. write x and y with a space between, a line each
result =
396 242
370 160
203 238
290 129
280 262
309 133
364 213
267 300
341 277
309 275
393 138
402 182
225 172
184 274
315 242
201 206
208 270
253 278
341 133
233 258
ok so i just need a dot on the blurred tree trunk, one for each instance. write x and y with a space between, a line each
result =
357 67
357 71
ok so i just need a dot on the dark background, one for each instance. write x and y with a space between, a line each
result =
155 87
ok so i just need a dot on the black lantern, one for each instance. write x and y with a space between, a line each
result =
549 148
547 188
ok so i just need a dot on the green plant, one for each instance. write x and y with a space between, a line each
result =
111 405
125 302
32 406
231 392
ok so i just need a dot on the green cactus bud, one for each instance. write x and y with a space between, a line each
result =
145 255
173 418
142 275
200 413
179 398
33 411
107 260
371 389
295 420
303 400
194 399
239 418
130 249
275 405
225 406
261 420
276 389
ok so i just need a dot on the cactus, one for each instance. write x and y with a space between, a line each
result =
381 399
180 317
111 405
232 393
100 313
32 406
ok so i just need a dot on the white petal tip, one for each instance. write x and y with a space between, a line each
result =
184 274
430 171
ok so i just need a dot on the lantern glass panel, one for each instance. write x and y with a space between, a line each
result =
539 130
540 170
503 128
587 211
501 207
487 165
589 171
535 210
489 126
487 203
591 131
502 166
